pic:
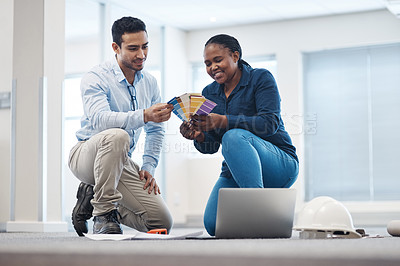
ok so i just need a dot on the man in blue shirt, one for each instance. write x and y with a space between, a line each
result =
119 99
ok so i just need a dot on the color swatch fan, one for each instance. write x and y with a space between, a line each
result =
191 104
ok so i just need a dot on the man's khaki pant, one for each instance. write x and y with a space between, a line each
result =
103 161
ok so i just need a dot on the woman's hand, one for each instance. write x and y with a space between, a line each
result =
187 130
209 122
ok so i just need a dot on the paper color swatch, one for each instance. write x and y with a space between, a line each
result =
191 104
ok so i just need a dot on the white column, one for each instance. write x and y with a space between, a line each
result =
174 85
38 72
6 29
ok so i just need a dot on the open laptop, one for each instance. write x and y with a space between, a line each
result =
255 213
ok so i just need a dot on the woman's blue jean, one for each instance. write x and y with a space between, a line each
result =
254 163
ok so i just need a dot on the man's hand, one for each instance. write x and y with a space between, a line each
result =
159 112
209 122
151 183
189 132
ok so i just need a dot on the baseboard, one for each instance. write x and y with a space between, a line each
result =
378 219
194 220
377 213
360 219
3 227
15 226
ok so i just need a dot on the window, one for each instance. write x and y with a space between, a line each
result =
82 52
73 111
355 97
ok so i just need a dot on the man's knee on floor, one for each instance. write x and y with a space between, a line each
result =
166 220
163 219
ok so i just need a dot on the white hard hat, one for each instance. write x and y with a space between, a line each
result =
325 217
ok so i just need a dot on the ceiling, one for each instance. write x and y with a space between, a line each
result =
194 14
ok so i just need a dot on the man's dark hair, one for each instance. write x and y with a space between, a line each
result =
229 42
126 25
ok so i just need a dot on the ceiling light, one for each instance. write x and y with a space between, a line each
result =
213 19
394 7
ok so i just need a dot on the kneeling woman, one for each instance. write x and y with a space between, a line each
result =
258 152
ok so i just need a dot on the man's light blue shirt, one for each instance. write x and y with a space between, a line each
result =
107 104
